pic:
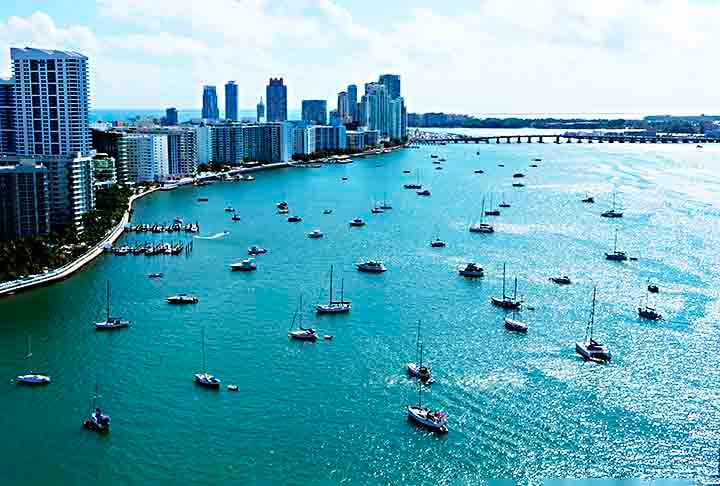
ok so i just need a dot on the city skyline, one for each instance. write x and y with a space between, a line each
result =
551 57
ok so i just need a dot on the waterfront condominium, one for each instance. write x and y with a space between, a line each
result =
343 107
276 95
51 106
314 112
352 102
7 117
375 108
24 204
231 101
146 155
260 110
392 85
171 117
210 104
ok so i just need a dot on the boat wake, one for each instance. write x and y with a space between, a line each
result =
213 237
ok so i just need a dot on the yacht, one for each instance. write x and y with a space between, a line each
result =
424 192
616 255
334 306
32 379
301 333
591 349
256 250
205 379
438 243
479 171
316 233
110 322
563 280
471 270
229 209
371 266
507 302
244 266
327 211
589 199
357 222
182 299
613 212
482 227
294 219
432 420
417 369
514 324
648 312
518 184
236 217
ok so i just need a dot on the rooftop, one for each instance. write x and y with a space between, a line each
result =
33 53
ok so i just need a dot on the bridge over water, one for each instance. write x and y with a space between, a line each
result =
566 138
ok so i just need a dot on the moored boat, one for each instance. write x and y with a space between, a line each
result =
256 250
616 255
357 222
562 280
205 379
244 266
182 299
371 266
438 243
316 233
589 348
334 306
507 302
471 270
110 323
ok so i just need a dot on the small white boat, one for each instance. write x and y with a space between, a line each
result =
357 222
515 325
32 379
304 334
248 178
233 388
256 250
244 266
182 299
371 266
206 380
316 233
471 270
283 211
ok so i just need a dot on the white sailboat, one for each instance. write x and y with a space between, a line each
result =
301 333
482 227
110 323
333 306
32 378
205 379
433 420
590 348
507 302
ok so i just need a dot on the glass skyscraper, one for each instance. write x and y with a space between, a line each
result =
210 104
231 101
276 95
314 112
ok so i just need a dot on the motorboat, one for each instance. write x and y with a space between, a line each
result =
202 199
537 160
589 348
518 175
471 270
334 306
282 205
232 388
479 171
518 184
110 322
501 165
589 200
229 209
533 165
406 172
97 422
294 219
434 156
507 302
283 211
316 233
244 266
653 289
327 211
236 217
436 161
344 178
155 275
438 168
357 222
206 380
256 250
424 192
32 379
371 266
182 299
562 280
616 255
438 243
442 160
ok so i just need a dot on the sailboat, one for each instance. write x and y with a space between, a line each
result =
302 333
612 213
205 379
110 322
504 204
417 185
98 421
494 211
385 204
32 378
648 312
514 324
482 227
433 420
334 307
506 302
417 370
589 348
616 255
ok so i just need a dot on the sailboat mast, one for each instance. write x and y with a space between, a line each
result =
203 349
482 210
515 294
421 353
615 244
592 313
331 284
419 395
107 303
342 291
29 348
503 281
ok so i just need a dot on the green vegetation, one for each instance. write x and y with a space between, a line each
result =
29 256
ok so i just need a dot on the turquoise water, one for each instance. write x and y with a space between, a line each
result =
324 413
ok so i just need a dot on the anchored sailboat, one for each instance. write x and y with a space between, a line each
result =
333 306
110 322
32 378
205 379
433 420
507 302
416 369
482 227
591 349
616 255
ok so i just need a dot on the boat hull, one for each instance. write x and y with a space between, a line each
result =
515 325
111 325
206 381
506 303
334 308
420 416
593 352
32 379
303 336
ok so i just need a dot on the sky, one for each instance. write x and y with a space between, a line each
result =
456 56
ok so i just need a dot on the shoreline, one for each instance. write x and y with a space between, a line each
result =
10 289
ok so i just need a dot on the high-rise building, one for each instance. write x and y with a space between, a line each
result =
7 117
231 101
210 104
392 85
104 169
314 112
276 95
375 108
260 110
343 107
355 141
24 203
352 102
51 102
147 156
204 140
51 125
329 138
395 112
268 142
182 151
227 141
335 119
107 142
171 116
303 140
